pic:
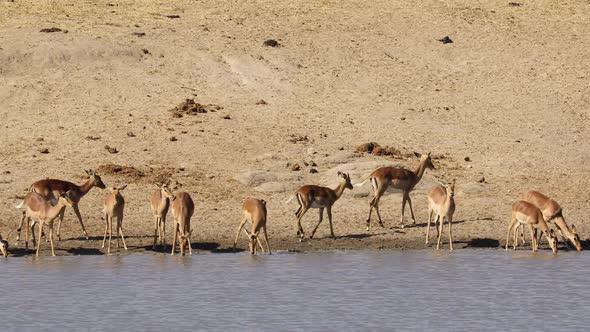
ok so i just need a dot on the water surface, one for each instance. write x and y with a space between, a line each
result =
325 291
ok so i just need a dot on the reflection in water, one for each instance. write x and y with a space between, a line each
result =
335 290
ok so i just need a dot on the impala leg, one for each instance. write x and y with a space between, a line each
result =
106 229
450 220
20 225
27 232
77 212
156 231
404 199
514 234
300 232
110 220
374 203
242 222
428 225
266 239
412 209
39 240
330 220
512 222
61 219
175 233
31 225
120 225
51 237
316 227
440 230
190 247
522 235
534 239
163 225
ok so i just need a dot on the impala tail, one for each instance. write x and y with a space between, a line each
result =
362 183
290 198
20 205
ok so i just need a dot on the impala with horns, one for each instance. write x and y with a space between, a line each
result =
182 211
527 214
160 202
398 178
553 213
441 202
254 210
51 189
38 209
113 206
321 198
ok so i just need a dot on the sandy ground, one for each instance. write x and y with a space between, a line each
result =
511 93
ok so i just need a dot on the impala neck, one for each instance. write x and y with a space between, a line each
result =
86 186
340 189
420 171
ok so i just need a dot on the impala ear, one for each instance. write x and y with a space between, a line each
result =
417 154
428 154
87 171
158 184
574 229
123 186
339 173
552 233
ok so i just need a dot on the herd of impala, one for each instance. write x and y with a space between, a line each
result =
47 200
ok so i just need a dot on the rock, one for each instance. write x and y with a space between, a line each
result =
261 102
467 159
271 43
313 171
227 117
295 167
482 180
44 151
139 34
111 149
54 29
130 134
173 139
445 40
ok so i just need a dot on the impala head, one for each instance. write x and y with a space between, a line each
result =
66 199
184 239
3 247
166 191
451 188
346 178
97 180
116 190
425 159
576 239
252 244
552 239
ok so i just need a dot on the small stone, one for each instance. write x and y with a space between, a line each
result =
40 139
305 163
482 180
295 167
445 40
313 164
227 117
139 34
261 102
44 151
111 149
130 134
403 118
467 159
341 148
271 43
313 171
173 139
145 51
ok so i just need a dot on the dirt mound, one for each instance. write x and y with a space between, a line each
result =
130 174
378 150
190 107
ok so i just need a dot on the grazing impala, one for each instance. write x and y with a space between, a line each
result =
38 209
160 202
397 178
526 213
552 212
113 206
254 210
441 201
182 211
318 198
4 246
51 189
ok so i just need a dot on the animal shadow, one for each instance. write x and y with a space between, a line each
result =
483 243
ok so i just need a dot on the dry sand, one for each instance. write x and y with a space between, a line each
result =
511 93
